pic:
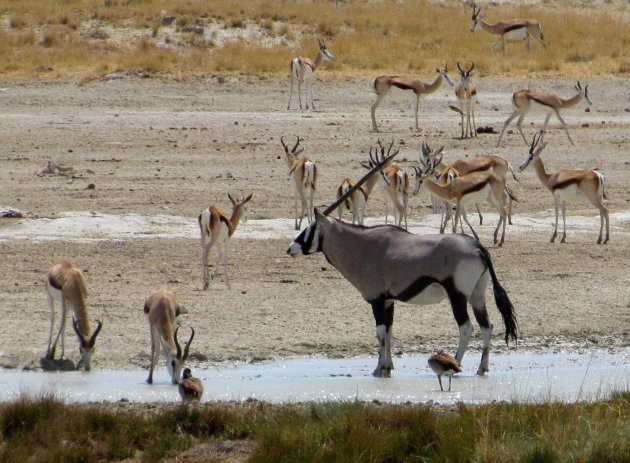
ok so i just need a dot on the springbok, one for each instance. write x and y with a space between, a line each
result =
303 177
383 84
569 185
302 70
386 263
526 100
490 163
355 203
443 364
216 230
65 284
395 182
466 93
475 187
163 313
190 389
514 30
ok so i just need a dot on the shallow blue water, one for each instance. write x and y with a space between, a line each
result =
523 377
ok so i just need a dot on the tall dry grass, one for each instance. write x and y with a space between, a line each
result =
52 39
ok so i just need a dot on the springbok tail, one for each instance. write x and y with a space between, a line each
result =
601 190
310 172
294 70
501 299
456 109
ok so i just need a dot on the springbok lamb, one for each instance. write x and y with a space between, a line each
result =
216 230
65 284
303 178
569 185
163 311
386 264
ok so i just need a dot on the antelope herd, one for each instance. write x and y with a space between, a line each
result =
384 263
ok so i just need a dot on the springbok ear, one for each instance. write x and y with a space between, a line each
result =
181 310
299 151
438 152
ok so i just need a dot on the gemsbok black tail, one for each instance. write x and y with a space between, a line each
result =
501 299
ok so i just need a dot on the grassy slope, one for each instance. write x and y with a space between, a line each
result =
89 38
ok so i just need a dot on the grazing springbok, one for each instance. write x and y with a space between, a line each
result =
190 389
513 30
383 84
162 311
386 264
569 185
66 285
216 230
526 100
494 164
302 70
303 177
466 93
443 364
475 187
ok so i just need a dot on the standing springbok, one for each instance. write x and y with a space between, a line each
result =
395 182
386 264
466 93
216 230
475 187
383 84
162 311
303 177
526 100
569 185
514 30
302 70
65 284
355 203
489 163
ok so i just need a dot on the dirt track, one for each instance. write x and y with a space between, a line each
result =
152 148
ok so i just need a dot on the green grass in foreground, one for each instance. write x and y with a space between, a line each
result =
89 38
46 430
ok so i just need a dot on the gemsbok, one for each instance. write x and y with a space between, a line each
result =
569 185
383 84
513 30
303 178
302 70
387 264
526 100
163 311
216 230
466 93
66 285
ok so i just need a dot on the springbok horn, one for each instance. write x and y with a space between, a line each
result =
284 145
178 355
297 142
187 346
232 200
460 68
82 340
357 185
98 330
471 67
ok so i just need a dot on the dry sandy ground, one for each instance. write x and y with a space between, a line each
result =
171 148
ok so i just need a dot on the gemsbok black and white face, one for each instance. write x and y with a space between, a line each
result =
307 242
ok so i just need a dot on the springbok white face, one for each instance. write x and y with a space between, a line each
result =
326 54
476 19
534 150
307 242
444 73
86 346
465 75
